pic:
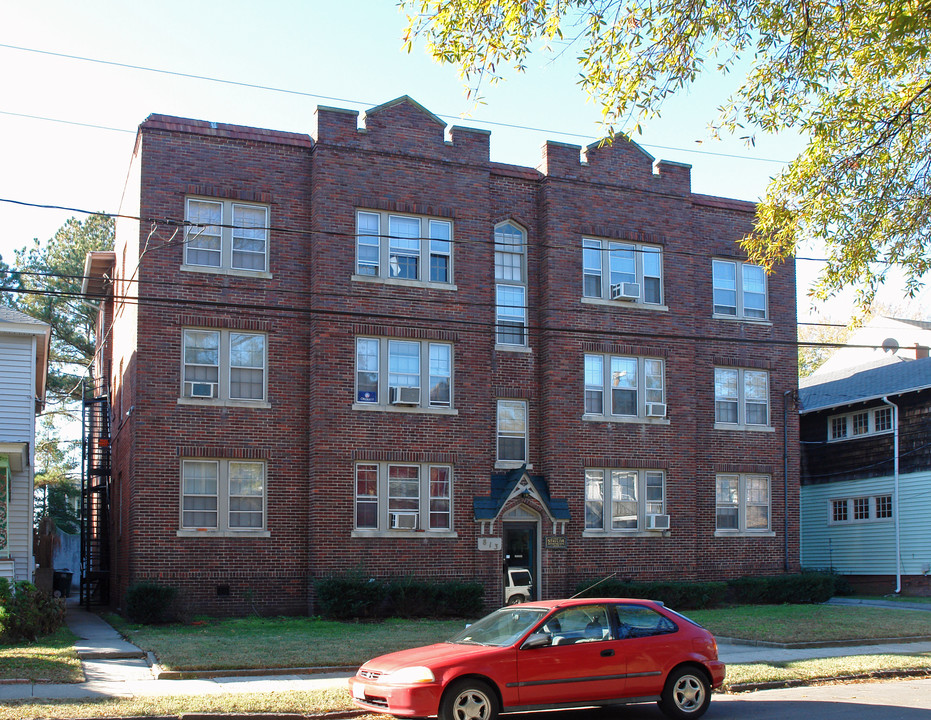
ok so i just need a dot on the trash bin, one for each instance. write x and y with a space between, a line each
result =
61 583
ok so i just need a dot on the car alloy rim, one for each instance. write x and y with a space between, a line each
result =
471 705
689 693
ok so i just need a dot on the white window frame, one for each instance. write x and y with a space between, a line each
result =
742 504
647 390
224 501
738 282
436 366
852 509
844 425
597 257
431 246
430 513
741 400
601 487
226 341
229 232
508 428
511 317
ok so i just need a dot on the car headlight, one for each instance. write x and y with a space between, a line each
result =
404 676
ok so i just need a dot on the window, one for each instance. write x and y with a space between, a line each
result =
224 365
510 285
226 235
223 495
624 386
399 497
860 424
403 247
403 373
739 290
623 500
512 431
742 503
614 270
741 397
860 509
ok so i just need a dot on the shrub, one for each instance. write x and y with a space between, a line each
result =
150 603
27 613
678 595
354 595
799 588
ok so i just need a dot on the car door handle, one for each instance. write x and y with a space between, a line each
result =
607 653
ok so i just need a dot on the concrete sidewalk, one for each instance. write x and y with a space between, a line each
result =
114 667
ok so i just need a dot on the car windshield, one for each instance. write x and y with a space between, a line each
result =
503 627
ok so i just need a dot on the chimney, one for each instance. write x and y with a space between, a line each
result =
921 351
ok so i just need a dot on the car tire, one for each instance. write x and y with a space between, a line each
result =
686 694
469 700
516 599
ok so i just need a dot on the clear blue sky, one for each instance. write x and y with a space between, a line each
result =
348 53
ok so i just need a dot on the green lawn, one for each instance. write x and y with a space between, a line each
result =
51 659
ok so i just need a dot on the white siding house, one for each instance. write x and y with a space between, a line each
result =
24 344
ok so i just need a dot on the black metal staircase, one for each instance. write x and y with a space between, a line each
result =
95 498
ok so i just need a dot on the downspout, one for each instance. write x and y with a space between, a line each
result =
895 492
785 478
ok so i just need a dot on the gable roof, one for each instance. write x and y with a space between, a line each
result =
891 376
18 323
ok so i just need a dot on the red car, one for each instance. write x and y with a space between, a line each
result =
553 654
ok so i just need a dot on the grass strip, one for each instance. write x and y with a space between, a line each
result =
52 659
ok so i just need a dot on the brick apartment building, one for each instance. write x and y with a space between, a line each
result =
374 348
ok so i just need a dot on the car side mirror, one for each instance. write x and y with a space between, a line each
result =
537 640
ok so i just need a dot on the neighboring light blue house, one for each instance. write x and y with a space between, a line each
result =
24 349
866 474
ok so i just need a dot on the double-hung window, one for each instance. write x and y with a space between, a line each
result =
512 431
226 236
403 373
860 509
613 270
622 500
403 247
876 421
510 285
223 495
742 503
224 365
624 387
739 290
741 397
399 497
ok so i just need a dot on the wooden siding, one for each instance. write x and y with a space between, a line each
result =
868 548
20 522
17 388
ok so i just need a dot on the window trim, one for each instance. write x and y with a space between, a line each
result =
743 502
505 321
425 251
383 373
850 504
607 400
226 235
740 309
223 528
607 246
607 500
224 370
742 402
382 500
511 462
850 424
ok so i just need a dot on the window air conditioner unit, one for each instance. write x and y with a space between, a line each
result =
200 389
625 291
403 521
657 410
657 522
404 395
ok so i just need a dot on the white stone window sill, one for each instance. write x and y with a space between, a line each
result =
223 534
734 318
216 402
211 270
744 534
414 534
403 282
512 348
511 464
745 428
619 419
626 533
409 409
631 305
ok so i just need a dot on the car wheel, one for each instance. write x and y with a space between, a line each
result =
469 700
516 599
686 694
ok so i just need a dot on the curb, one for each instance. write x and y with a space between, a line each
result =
160 674
340 715
839 680
823 643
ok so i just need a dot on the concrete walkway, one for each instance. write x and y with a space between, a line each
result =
114 667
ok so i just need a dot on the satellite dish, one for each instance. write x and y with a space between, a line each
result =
891 345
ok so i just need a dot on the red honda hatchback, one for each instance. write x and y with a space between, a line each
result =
553 654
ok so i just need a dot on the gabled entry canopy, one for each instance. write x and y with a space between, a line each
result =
514 484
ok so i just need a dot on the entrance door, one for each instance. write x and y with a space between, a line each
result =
520 551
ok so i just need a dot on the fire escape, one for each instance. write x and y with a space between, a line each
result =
95 498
